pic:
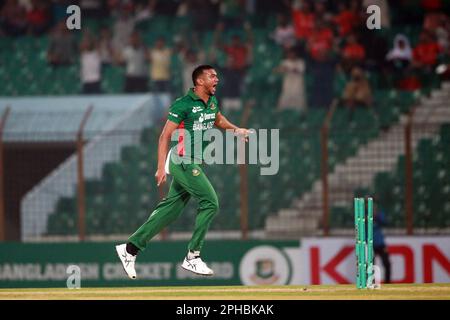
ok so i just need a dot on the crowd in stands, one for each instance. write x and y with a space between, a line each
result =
324 39
333 39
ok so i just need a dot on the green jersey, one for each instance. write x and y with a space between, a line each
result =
194 116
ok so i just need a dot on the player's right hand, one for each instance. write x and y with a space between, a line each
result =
160 176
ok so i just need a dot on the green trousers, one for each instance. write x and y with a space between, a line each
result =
189 180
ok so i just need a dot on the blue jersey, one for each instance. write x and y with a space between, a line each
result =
379 221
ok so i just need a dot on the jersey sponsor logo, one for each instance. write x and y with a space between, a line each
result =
196 109
199 125
206 116
173 114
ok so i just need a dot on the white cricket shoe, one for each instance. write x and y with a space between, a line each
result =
196 265
127 260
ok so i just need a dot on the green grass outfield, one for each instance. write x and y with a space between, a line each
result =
391 292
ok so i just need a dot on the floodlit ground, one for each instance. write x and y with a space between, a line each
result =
386 292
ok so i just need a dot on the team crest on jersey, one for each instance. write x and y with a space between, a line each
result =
213 106
195 172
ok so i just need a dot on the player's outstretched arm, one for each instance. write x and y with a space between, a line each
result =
163 149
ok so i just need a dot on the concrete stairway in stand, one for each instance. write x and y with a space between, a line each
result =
378 155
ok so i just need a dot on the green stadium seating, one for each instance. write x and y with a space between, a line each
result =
125 194
431 187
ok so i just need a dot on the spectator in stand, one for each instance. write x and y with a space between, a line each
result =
400 56
160 58
321 50
134 56
345 20
432 20
90 64
284 34
398 60
105 47
62 47
189 60
293 90
352 54
123 27
357 92
38 17
303 20
426 53
238 58
13 18
320 42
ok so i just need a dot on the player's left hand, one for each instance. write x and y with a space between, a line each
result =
244 133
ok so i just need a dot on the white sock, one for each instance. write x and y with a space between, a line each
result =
193 254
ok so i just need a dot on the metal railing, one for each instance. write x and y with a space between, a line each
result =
319 180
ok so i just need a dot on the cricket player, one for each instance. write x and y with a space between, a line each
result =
197 110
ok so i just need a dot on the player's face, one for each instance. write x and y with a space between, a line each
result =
210 81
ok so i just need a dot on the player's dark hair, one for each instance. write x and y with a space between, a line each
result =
198 72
